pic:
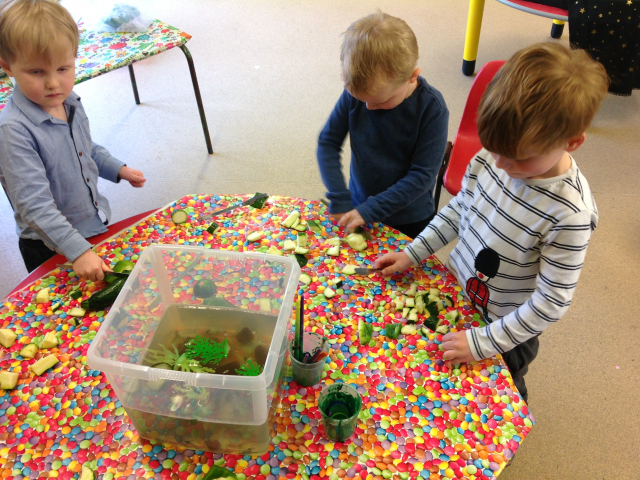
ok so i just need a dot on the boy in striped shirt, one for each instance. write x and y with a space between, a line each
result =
525 213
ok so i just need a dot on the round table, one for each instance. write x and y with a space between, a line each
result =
419 418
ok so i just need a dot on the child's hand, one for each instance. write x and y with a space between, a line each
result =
134 177
456 348
393 262
90 266
351 220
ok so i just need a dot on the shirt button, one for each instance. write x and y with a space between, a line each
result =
80 153
96 203
88 180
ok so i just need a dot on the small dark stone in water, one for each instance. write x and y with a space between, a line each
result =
245 335
228 368
261 354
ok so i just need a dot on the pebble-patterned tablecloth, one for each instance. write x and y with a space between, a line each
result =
99 53
419 418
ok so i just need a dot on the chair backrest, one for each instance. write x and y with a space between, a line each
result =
467 143
538 9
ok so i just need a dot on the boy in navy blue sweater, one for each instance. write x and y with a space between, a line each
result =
397 124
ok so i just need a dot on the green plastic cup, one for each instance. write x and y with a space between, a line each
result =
308 374
339 405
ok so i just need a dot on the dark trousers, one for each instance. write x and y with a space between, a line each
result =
34 253
518 361
564 4
412 230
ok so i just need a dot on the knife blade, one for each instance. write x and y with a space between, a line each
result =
366 271
255 198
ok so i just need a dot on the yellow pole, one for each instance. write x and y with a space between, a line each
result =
474 23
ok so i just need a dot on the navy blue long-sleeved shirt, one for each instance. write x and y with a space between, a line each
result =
395 156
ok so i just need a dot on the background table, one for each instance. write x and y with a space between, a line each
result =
100 53
419 419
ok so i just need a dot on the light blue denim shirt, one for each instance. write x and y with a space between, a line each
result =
49 169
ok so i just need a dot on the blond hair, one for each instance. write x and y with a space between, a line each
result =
543 96
375 49
39 28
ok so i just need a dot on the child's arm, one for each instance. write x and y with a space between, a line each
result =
422 174
328 153
442 230
561 258
108 166
29 190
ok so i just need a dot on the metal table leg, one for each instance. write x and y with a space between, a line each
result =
474 23
196 89
134 84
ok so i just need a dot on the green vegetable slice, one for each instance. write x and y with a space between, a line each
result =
260 202
179 217
302 260
392 330
364 331
216 472
204 288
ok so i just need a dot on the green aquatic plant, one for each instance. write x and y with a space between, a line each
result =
164 355
191 365
249 369
208 351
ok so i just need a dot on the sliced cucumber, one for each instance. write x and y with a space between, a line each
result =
7 337
364 331
76 294
435 292
8 380
29 351
179 217
405 311
43 296
412 290
357 242
44 364
392 330
260 202
254 236
443 329
313 226
408 330
213 228
302 240
290 220
349 270
49 341
77 312
301 226
432 299
304 278
410 302
413 316
265 304
448 302
301 250
329 293
433 322
453 315
273 250
87 474
289 245
334 242
333 251
425 331
301 259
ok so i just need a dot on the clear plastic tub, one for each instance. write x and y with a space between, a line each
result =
142 344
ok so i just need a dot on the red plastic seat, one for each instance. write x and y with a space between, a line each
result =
466 144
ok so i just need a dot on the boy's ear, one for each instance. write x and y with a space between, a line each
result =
574 143
414 75
5 66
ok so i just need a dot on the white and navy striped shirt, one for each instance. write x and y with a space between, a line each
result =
539 229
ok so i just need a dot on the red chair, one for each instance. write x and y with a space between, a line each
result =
474 23
53 262
466 144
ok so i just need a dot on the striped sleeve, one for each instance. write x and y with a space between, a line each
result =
563 252
442 230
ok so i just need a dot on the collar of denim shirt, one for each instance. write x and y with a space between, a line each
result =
33 111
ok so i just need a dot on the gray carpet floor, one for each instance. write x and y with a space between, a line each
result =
269 74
